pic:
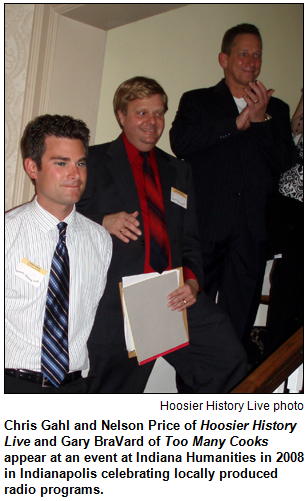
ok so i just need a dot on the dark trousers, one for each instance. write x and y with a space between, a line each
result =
214 361
234 268
13 385
286 309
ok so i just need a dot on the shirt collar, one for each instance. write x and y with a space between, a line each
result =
133 152
47 221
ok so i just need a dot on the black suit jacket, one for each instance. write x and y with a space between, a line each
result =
230 167
110 189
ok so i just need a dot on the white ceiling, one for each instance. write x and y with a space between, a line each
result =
108 16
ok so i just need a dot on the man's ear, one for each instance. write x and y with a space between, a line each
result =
223 60
31 168
121 117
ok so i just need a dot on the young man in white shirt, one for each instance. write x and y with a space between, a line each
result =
54 150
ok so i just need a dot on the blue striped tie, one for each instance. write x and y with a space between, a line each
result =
55 361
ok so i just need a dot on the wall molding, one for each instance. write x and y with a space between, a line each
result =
38 83
61 8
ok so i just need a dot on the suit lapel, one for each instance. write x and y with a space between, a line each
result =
225 99
120 169
167 174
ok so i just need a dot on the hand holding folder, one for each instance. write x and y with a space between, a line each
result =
151 328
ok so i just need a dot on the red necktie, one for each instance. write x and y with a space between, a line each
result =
159 248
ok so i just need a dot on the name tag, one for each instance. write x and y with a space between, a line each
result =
30 272
179 198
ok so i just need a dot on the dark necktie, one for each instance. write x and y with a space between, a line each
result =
55 361
159 252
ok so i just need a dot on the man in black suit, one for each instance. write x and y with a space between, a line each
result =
235 136
116 197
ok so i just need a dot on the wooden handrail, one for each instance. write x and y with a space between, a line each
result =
265 299
276 368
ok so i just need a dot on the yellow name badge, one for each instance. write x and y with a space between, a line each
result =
179 198
30 272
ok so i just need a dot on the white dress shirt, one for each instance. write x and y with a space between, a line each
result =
31 233
240 103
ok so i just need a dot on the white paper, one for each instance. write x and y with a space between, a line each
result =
130 280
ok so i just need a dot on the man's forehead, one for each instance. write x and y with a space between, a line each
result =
245 40
52 139
55 143
154 100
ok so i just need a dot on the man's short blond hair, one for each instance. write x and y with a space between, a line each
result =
136 88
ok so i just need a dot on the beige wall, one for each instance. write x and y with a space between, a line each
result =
77 71
180 50
53 65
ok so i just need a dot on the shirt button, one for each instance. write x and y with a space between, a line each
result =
238 194
142 243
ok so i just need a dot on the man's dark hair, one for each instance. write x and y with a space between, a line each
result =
240 29
32 143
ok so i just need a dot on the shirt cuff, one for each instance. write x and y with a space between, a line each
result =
188 274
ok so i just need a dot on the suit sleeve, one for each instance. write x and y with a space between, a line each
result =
191 250
195 128
274 138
